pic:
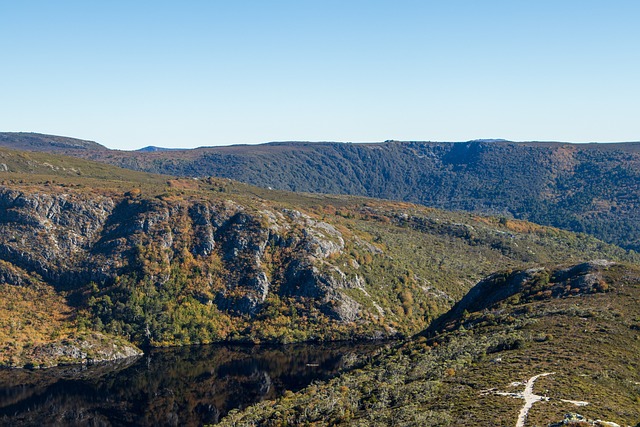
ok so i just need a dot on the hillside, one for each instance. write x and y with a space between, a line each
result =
47 143
90 252
565 338
591 188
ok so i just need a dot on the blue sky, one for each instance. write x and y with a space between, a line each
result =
182 74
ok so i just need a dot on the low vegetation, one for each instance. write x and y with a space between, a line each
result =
579 323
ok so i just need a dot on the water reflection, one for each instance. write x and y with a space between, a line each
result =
184 386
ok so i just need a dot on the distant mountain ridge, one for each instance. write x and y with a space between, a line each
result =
48 143
153 148
592 188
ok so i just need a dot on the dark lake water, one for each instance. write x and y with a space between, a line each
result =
188 386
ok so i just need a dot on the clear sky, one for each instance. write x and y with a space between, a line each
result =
133 73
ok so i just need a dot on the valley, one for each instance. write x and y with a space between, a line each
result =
99 263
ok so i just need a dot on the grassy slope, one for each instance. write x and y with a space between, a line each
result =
49 143
590 340
39 167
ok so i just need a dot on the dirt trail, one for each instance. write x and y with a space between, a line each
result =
530 397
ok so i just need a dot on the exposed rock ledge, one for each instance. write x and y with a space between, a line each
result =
578 420
89 349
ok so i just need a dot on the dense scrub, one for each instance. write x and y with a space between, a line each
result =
547 320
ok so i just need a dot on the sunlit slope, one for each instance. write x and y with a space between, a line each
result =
570 332
164 261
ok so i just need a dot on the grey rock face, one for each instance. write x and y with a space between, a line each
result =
91 349
71 239
582 269
581 278
48 234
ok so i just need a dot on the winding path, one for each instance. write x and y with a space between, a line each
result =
530 397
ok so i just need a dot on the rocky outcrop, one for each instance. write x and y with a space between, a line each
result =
49 234
528 285
12 275
70 239
582 278
93 348
572 419
244 240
